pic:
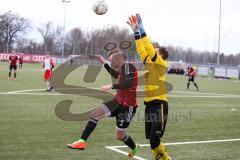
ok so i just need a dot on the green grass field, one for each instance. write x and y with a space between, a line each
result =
30 130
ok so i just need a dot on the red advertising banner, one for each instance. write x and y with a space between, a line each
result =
29 58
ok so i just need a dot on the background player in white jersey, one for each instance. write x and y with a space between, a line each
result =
48 65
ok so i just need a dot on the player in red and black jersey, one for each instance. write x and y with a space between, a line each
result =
191 75
13 65
20 62
123 106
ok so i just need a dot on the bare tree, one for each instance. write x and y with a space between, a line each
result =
47 33
75 38
11 26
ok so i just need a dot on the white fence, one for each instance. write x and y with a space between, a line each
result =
219 72
203 70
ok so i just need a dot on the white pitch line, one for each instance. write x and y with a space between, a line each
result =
183 143
197 95
30 90
28 70
115 148
122 152
216 94
27 90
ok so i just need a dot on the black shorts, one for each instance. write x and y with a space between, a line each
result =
20 62
11 67
191 79
123 115
156 116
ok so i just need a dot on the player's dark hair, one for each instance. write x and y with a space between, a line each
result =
164 52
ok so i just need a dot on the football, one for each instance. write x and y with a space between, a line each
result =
100 7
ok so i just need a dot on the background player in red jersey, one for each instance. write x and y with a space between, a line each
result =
13 65
123 106
48 65
20 62
191 74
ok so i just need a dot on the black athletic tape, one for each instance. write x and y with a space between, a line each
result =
143 35
145 60
158 156
125 138
154 58
93 120
137 35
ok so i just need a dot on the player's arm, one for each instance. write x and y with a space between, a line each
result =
132 22
146 41
52 64
9 59
153 55
111 71
127 83
141 50
192 73
147 52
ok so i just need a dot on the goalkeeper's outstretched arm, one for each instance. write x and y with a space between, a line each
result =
132 22
153 55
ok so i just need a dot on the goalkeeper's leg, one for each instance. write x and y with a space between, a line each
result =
158 149
157 131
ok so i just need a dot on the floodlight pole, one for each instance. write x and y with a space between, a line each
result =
219 31
64 26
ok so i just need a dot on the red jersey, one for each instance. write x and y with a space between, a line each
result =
21 59
13 60
127 87
191 72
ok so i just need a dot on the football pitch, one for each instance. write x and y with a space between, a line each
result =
202 125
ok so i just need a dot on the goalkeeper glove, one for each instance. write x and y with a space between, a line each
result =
140 24
132 22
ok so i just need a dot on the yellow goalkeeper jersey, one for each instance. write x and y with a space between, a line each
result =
155 71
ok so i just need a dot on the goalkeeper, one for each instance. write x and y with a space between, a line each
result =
155 98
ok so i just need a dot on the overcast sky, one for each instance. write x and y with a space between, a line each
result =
187 23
